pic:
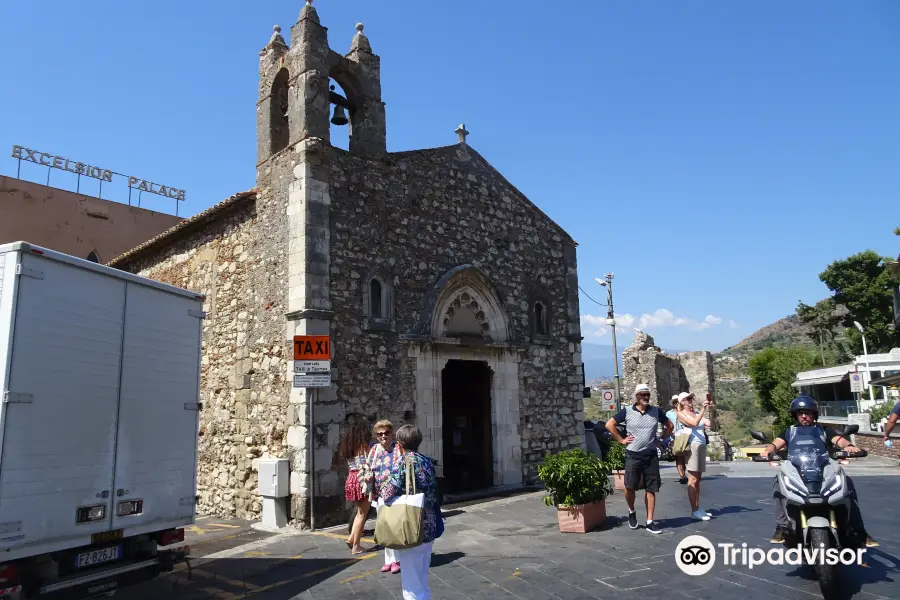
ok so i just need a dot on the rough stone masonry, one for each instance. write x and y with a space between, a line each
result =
407 260
670 374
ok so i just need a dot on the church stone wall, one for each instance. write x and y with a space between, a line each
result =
411 217
237 264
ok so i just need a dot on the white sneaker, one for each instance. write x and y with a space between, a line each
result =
700 515
707 513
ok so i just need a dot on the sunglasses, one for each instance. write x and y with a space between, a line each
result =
644 395
382 433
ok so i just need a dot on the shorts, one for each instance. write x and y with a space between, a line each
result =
352 489
696 460
642 471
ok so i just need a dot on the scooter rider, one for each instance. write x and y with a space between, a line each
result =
805 411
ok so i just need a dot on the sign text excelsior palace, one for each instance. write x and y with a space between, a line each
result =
80 168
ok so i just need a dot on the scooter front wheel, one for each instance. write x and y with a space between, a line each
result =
820 539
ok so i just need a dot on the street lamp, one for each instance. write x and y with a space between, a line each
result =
611 321
868 371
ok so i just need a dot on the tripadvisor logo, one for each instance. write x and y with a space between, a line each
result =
696 555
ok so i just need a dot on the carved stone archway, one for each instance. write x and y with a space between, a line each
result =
468 323
468 307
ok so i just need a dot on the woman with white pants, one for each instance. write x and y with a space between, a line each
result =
416 561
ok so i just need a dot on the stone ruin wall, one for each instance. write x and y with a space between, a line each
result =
670 374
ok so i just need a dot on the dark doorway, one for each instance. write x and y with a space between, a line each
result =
466 404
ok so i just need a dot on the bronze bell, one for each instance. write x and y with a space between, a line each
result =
339 117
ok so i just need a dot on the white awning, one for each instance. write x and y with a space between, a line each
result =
820 380
887 380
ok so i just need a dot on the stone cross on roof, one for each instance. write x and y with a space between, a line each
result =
462 133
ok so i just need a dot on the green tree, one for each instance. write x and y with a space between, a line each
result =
823 321
772 372
863 285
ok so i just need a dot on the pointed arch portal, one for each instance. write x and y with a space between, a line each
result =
467 385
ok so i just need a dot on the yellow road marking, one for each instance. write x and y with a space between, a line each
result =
223 525
229 581
344 563
338 536
255 553
197 530
204 517
362 575
218 593
253 590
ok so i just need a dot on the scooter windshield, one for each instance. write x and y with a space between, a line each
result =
807 452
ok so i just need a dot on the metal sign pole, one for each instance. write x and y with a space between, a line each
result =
311 398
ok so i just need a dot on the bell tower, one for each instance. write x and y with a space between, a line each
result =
295 96
294 117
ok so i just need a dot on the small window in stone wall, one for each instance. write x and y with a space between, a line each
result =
540 319
375 299
540 322
378 304
93 257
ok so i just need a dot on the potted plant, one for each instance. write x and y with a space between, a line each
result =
615 462
577 485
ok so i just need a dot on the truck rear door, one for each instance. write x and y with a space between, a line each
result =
155 471
59 421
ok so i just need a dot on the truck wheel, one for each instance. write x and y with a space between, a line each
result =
825 573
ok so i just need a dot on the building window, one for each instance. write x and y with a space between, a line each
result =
93 257
375 299
540 318
540 322
378 303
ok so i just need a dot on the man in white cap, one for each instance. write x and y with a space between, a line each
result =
641 461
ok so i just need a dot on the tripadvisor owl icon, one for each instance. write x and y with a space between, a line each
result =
695 555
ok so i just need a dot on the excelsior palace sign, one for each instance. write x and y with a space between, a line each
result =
80 168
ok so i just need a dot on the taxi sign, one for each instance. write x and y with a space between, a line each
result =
312 347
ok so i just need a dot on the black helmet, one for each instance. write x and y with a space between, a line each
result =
804 403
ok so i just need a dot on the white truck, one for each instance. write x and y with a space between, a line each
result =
99 381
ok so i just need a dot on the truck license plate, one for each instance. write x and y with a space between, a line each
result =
96 557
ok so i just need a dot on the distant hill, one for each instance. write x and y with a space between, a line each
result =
738 410
731 363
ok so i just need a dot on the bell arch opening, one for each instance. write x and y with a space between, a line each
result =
279 126
341 115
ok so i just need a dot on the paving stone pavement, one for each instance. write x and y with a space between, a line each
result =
512 549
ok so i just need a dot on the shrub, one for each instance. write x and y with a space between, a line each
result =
615 457
880 411
574 477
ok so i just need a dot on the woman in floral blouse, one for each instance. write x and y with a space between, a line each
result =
417 560
381 459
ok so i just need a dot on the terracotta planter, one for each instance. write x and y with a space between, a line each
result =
619 480
581 519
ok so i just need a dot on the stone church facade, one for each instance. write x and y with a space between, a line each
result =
451 300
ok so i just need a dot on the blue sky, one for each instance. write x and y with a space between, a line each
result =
715 155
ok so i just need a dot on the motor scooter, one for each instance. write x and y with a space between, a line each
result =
665 448
818 501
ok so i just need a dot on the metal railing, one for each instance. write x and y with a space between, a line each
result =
837 408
